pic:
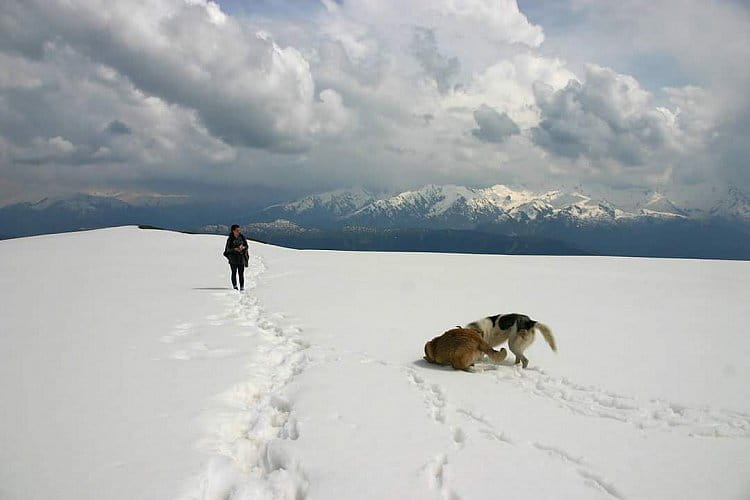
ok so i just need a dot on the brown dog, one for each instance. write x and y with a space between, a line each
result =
460 348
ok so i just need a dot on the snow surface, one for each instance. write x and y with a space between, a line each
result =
129 370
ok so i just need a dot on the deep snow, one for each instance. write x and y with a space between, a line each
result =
129 370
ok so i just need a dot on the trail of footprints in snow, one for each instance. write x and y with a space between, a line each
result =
243 312
590 477
582 400
436 469
249 436
656 413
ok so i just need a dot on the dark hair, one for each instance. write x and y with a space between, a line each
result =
235 226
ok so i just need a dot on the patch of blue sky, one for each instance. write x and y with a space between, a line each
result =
285 9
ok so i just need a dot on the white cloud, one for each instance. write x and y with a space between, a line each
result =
58 144
500 20
607 116
45 150
181 94
247 89
508 85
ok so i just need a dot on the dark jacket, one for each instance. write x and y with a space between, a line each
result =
238 258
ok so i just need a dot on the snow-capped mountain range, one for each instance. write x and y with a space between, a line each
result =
465 207
517 220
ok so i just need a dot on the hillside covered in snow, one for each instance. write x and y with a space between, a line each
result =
129 369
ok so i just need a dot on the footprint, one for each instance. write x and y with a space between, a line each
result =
496 436
595 481
473 416
436 472
590 477
437 477
459 437
558 453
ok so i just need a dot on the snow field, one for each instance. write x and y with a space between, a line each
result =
311 384
623 411
112 349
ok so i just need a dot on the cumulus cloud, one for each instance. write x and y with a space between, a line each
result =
501 19
671 44
247 89
507 85
607 116
493 126
44 150
184 97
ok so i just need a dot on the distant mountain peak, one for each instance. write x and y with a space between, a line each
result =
78 202
338 202
658 204
735 205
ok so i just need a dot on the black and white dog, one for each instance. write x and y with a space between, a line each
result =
517 329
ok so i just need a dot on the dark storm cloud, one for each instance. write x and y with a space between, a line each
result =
493 126
118 127
17 35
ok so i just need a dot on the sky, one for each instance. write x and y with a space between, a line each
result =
206 100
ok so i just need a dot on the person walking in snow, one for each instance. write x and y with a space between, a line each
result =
236 252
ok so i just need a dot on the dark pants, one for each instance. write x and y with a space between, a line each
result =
237 268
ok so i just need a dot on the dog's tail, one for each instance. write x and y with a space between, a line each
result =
547 334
